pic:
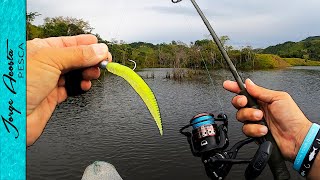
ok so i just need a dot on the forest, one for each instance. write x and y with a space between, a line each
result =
308 48
177 54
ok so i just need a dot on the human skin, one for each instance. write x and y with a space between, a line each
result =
47 61
285 120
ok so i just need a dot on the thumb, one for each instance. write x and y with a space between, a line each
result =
76 57
260 93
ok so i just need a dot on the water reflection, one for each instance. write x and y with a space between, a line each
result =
111 123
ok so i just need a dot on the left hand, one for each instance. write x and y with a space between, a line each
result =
47 61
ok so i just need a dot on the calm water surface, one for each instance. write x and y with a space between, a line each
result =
111 123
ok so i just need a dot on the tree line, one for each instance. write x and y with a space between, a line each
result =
176 54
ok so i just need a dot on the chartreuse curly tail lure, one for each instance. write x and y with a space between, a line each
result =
139 85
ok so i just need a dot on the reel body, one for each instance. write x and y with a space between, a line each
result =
208 139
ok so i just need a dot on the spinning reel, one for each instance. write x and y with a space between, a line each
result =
209 140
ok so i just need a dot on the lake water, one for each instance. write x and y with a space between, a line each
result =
110 123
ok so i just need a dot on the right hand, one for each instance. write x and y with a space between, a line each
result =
285 120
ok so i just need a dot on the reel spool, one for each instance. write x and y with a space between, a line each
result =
208 139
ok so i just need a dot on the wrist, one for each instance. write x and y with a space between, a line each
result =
300 137
306 155
313 174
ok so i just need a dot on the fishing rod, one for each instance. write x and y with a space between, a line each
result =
276 161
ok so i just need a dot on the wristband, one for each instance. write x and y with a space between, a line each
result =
307 142
311 156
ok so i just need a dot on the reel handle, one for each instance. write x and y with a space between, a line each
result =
259 161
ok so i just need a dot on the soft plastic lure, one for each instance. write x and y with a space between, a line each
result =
139 85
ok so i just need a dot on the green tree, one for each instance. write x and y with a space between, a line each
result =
32 30
65 26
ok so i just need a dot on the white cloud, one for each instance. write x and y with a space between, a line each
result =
246 22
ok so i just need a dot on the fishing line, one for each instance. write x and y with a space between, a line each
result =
212 83
121 18
116 37
216 94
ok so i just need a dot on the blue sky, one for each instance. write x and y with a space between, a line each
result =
247 22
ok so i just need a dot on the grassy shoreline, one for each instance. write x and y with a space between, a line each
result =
301 62
271 61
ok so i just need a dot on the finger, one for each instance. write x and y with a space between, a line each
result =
260 93
231 86
59 42
239 101
62 94
61 81
75 57
68 41
249 114
254 130
85 85
109 57
91 73
36 44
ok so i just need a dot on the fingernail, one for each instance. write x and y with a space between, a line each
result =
100 50
239 101
250 82
257 114
263 130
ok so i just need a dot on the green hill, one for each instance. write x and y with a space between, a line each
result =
266 61
308 49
